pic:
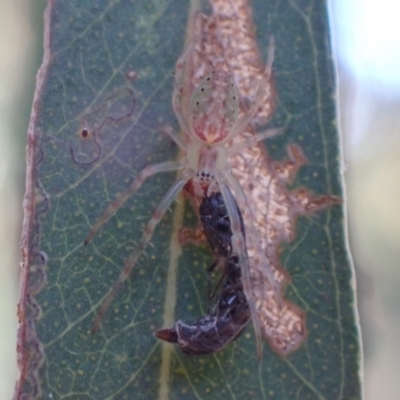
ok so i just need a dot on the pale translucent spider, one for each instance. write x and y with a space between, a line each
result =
209 119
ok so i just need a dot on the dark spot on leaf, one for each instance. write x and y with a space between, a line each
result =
84 133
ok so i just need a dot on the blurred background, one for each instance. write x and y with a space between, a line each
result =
21 38
366 37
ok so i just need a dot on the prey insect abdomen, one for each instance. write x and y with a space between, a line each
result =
229 316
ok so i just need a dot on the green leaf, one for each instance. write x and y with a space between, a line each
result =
101 99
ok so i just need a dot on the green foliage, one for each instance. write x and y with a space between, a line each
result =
94 45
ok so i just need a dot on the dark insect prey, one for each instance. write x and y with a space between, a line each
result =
230 314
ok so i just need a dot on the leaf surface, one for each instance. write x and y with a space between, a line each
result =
106 93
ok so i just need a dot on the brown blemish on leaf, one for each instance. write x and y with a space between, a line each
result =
226 40
195 236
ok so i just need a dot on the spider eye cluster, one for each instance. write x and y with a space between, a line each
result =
205 176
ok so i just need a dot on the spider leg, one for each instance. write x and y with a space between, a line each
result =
210 295
271 56
183 88
176 137
251 231
140 178
210 269
251 141
238 245
242 122
143 242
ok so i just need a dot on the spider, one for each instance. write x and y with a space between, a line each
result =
209 119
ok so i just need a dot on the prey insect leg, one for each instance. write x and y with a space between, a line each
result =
212 292
143 242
